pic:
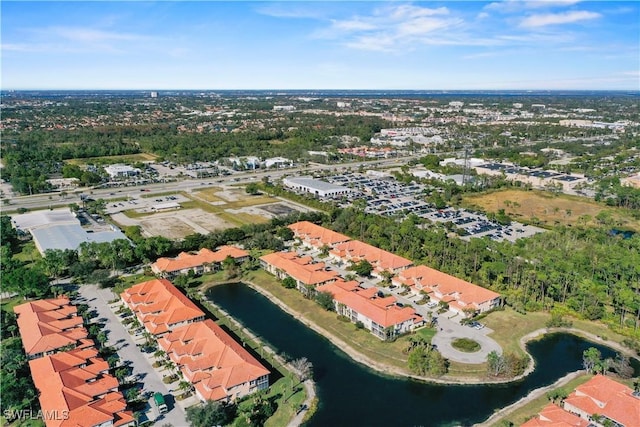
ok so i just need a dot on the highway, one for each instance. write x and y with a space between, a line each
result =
50 200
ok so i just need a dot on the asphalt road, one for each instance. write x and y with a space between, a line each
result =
44 201
120 338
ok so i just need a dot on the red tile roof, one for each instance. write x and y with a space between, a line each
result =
300 268
47 325
316 235
604 396
159 305
88 393
185 260
209 358
449 287
554 416
381 260
382 310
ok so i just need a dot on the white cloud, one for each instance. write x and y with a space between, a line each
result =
542 20
510 6
390 27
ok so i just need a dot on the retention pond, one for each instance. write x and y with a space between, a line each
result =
352 395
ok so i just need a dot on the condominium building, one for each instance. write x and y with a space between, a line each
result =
51 325
218 367
160 306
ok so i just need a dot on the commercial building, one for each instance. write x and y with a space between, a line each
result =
160 306
461 296
315 187
61 229
218 367
121 171
76 389
51 325
204 261
381 315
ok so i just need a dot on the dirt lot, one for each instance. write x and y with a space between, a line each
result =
176 224
549 209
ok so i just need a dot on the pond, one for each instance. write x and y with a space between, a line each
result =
352 395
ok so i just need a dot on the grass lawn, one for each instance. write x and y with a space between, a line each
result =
8 304
550 209
124 158
28 254
128 281
466 345
509 325
361 340
524 413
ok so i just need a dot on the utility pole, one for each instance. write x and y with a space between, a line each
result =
465 174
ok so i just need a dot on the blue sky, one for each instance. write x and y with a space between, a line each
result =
514 44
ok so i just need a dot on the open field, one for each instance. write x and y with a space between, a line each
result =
549 209
125 158
174 224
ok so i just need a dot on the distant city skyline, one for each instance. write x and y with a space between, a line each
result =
316 45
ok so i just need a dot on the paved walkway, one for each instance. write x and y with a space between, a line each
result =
119 337
311 395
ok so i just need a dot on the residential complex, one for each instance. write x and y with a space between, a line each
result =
160 306
51 325
379 314
217 366
381 260
312 235
460 295
601 401
203 261
303 270
74 385
77 385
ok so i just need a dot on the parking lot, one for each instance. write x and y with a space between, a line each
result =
388 197
149 379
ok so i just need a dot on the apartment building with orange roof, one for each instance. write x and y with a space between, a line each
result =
613 402
203 261
302 269
463 297
75 389
381 260
315 236
554 416
51 325
160 306
217 366
381 315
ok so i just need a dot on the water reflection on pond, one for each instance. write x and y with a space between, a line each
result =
352 395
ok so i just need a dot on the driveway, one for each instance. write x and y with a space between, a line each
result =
119 337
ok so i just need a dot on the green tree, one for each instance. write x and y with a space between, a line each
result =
363 268
289 282
252 188
325 300
211 413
